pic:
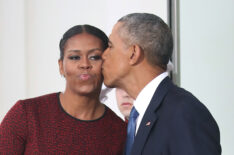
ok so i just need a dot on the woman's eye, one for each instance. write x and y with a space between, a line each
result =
74 57
95 57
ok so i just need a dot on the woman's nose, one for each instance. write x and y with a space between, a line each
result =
85 63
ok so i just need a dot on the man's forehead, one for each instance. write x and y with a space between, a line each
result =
117 26
115 30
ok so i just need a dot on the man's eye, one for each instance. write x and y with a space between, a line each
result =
74 57
96 57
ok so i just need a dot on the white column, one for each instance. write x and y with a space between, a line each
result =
12 54
207 37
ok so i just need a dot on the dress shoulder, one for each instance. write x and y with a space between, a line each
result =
116 120
42 98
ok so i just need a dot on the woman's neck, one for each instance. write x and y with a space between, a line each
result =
83 107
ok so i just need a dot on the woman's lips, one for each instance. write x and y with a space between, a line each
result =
85 76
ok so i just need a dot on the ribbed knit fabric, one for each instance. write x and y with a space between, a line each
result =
41 126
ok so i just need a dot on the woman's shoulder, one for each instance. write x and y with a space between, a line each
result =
25 109
114 117
116 125
42 98
39 102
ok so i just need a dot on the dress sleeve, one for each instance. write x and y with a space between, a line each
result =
13 130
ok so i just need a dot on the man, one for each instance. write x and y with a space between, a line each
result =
171 120
124 102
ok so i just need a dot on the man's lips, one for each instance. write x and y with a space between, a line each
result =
126 104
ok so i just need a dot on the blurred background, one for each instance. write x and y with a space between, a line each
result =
30 31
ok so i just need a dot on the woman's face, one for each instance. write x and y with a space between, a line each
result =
81 65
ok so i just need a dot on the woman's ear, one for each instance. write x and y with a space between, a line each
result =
136 54
60 63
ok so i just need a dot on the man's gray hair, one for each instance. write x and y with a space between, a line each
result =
151 33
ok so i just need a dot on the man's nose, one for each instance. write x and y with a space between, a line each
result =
104 54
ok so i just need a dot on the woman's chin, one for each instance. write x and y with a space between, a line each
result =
87 90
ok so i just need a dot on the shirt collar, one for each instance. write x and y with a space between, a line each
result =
144 97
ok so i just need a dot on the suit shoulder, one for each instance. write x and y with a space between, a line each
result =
185 104
183 98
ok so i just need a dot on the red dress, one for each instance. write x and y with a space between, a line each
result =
41 126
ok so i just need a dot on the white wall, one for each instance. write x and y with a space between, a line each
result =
12 54
207 52
30 34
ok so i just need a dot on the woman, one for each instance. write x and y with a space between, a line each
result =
72 122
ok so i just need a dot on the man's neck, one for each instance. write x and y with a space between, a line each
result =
139 78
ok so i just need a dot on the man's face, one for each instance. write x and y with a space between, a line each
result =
115 59
124 101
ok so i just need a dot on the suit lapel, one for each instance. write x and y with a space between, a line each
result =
150 117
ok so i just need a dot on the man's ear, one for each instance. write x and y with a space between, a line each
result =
60 63
136 54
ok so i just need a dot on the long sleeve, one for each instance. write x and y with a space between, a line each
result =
13 130
195 131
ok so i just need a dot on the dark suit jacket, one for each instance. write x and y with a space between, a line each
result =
179 125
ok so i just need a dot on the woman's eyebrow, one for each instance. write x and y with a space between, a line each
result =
89 51
74 51
95 49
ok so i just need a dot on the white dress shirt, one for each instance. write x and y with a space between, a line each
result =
143 99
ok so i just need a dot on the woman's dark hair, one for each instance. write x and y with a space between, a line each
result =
78 29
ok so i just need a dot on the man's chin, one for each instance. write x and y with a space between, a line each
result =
108 84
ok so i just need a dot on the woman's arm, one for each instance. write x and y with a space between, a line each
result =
13 130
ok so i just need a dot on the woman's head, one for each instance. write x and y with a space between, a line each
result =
80 61
78 29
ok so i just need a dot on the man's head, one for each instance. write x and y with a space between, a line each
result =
151 33
136 39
